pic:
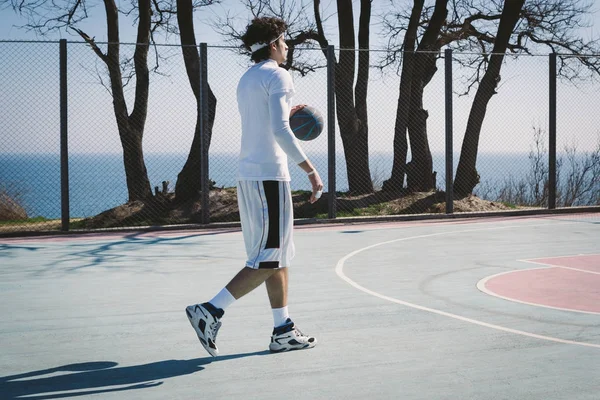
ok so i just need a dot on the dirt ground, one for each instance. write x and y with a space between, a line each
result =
164 210
223 208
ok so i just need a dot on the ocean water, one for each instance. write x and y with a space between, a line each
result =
97 181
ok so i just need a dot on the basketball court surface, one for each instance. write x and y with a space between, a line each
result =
478 308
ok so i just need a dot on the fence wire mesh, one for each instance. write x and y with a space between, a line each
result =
134 138
514 108
578 135
30 123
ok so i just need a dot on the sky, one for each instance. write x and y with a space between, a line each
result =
30 118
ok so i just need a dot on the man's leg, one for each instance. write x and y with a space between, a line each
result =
247 280
205 317
286 336
277 288
276 281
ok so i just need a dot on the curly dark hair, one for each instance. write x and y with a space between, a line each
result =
263 30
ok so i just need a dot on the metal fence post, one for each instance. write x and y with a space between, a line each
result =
64 149
552 135
203 116
332 203
449 147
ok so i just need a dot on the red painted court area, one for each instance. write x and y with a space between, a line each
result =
569 283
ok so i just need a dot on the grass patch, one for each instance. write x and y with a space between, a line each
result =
37 224
349 213
26 221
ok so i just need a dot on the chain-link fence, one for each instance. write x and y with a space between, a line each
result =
132 139
513 113
30 138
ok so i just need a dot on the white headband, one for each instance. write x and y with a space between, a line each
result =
257 46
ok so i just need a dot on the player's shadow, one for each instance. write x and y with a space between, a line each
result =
100 377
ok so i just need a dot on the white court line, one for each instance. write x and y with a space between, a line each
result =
567 256
481 286
560 266
339 270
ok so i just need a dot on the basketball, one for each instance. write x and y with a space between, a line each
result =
307 123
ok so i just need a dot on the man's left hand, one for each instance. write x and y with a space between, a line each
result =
296 108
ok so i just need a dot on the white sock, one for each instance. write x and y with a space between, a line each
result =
280 316
223 299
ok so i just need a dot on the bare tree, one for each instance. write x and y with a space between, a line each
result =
396 181
150 17
466 174
188 180
418 68
423 35
351 108
522 26
550 23
48 16
351 80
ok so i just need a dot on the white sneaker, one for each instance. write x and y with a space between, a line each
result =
287 337
206 324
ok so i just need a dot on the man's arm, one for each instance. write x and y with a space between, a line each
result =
280 122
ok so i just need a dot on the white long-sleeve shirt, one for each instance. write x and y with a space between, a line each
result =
264 96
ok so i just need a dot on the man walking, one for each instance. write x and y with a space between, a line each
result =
264 197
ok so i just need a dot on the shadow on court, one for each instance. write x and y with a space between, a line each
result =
132 247
8 250
101 377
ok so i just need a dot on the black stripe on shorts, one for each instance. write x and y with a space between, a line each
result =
268 264
272 195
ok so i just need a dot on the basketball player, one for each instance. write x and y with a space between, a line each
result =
264 198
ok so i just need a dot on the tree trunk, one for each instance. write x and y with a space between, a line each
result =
131 127
189 179
466 174
422 177
136 174
417 70
352 118
396 181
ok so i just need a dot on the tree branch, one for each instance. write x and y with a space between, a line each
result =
321 39
92 44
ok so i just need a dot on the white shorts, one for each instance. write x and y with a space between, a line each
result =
267 217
